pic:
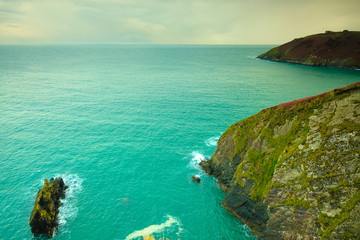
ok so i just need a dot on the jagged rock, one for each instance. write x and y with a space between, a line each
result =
43 219
292 171
195 179
335 49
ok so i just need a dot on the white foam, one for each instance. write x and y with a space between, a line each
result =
247 231
156 228
198 157
211 142
68 209
195 160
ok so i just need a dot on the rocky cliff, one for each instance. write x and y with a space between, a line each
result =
43 219
335 49
292 171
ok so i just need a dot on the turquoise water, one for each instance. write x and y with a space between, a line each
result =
125 127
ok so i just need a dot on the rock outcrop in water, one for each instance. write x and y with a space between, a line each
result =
195 179
293 171
335 49
43 219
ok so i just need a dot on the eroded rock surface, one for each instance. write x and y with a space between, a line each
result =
293 171
43 219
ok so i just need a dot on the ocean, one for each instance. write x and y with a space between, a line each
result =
126 125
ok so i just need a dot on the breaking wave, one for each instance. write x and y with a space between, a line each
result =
196 158
156 228
68 209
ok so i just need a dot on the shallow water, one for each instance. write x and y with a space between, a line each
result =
126 126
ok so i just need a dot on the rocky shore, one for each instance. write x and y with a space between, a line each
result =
43 219
334 49
292 171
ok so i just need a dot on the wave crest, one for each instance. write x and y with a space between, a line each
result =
197 157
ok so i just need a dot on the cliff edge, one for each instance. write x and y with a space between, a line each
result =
292 171
334 49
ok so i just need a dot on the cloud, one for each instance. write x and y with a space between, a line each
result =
171 21
155 33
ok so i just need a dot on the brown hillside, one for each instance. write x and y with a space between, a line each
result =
335 49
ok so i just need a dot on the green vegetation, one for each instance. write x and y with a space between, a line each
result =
281 147
259 165
302 155
45 198
43 219
294 201
330 223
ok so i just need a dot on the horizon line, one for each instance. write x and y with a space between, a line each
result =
138 44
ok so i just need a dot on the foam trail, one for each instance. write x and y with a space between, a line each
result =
211 142
68 209
153 228
195 160
247 231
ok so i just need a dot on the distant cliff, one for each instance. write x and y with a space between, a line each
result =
335 49
292 171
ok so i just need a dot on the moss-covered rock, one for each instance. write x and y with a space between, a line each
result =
43 219
293 171
335 49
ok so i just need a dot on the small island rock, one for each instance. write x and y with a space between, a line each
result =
43 219
195 179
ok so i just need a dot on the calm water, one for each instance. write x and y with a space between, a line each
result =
125 126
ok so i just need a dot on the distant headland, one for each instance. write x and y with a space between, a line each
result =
333 49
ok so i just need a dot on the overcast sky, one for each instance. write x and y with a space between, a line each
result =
172 21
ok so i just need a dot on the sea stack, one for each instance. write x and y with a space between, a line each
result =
292 171
333 49
44 216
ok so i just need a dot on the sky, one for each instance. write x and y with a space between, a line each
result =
172 21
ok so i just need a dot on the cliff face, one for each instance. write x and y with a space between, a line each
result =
293 171
335 49
43 219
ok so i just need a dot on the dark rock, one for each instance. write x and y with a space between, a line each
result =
206 166
238 199
43 219
195 179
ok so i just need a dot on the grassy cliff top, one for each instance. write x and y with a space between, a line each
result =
280 126
301 159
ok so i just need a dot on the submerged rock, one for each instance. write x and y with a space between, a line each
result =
293 171
195 179
43 219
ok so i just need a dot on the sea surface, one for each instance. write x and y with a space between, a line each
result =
125 126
